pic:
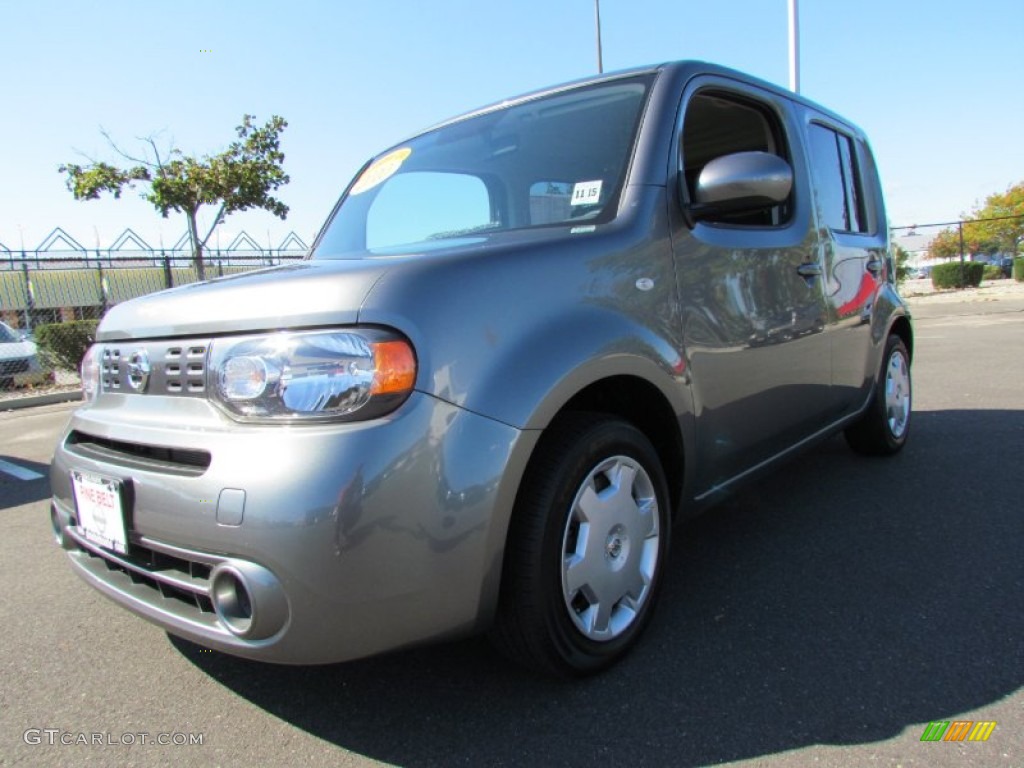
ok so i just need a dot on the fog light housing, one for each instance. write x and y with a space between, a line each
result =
248 599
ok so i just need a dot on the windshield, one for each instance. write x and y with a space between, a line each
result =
552 161
7 335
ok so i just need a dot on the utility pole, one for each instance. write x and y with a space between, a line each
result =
597 18
794 47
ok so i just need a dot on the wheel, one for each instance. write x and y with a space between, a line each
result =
884 427
586 549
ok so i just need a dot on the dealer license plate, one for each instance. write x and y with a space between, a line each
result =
100 514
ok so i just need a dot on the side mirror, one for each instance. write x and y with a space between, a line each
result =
743 181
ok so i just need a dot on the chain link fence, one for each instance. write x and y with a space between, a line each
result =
53 297
958 242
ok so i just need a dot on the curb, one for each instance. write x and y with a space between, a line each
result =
16 403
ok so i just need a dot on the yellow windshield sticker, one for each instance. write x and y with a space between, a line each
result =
380 170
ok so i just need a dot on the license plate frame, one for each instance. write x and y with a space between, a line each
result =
99 502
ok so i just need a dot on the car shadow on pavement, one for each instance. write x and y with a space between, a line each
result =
22 481
838 601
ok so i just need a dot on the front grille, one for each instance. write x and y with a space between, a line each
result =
11 367
154 458
168 574
175 368
185 369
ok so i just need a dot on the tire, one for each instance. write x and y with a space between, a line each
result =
586 548
885 425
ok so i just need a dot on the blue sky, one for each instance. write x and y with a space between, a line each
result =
935 83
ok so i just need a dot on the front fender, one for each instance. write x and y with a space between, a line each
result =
511 331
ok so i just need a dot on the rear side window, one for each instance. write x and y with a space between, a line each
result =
838 187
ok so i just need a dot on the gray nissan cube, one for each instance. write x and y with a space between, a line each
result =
525 344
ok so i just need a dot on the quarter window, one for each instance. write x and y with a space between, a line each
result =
837 183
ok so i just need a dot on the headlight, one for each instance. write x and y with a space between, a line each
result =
90 373
311 376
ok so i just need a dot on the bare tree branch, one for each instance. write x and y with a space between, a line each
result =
80 153
142 161
156 152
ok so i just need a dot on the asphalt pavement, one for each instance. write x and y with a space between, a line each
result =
823 616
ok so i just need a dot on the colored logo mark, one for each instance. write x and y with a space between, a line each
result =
959 730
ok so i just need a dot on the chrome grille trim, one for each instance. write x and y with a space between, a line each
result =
177 367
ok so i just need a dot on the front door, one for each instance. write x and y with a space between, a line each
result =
754 308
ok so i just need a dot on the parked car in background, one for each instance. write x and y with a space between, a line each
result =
19 359
525 343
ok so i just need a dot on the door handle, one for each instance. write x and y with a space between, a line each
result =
809 269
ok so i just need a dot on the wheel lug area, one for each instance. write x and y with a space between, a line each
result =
616 547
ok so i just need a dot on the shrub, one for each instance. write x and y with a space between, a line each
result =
1018 269
956 275
64 344
902 259
993 272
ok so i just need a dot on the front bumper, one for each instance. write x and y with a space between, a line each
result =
349 539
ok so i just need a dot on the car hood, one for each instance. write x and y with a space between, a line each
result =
17 350
305 294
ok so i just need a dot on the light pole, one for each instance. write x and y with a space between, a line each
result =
794 47
597 19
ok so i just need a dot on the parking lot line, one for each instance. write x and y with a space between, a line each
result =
19 472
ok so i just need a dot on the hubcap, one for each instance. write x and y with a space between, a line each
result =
610 548
897 394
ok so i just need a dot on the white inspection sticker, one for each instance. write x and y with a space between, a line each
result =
586 193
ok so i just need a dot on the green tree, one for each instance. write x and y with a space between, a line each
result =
995 227
902 259
241 177
945 245
1006 232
